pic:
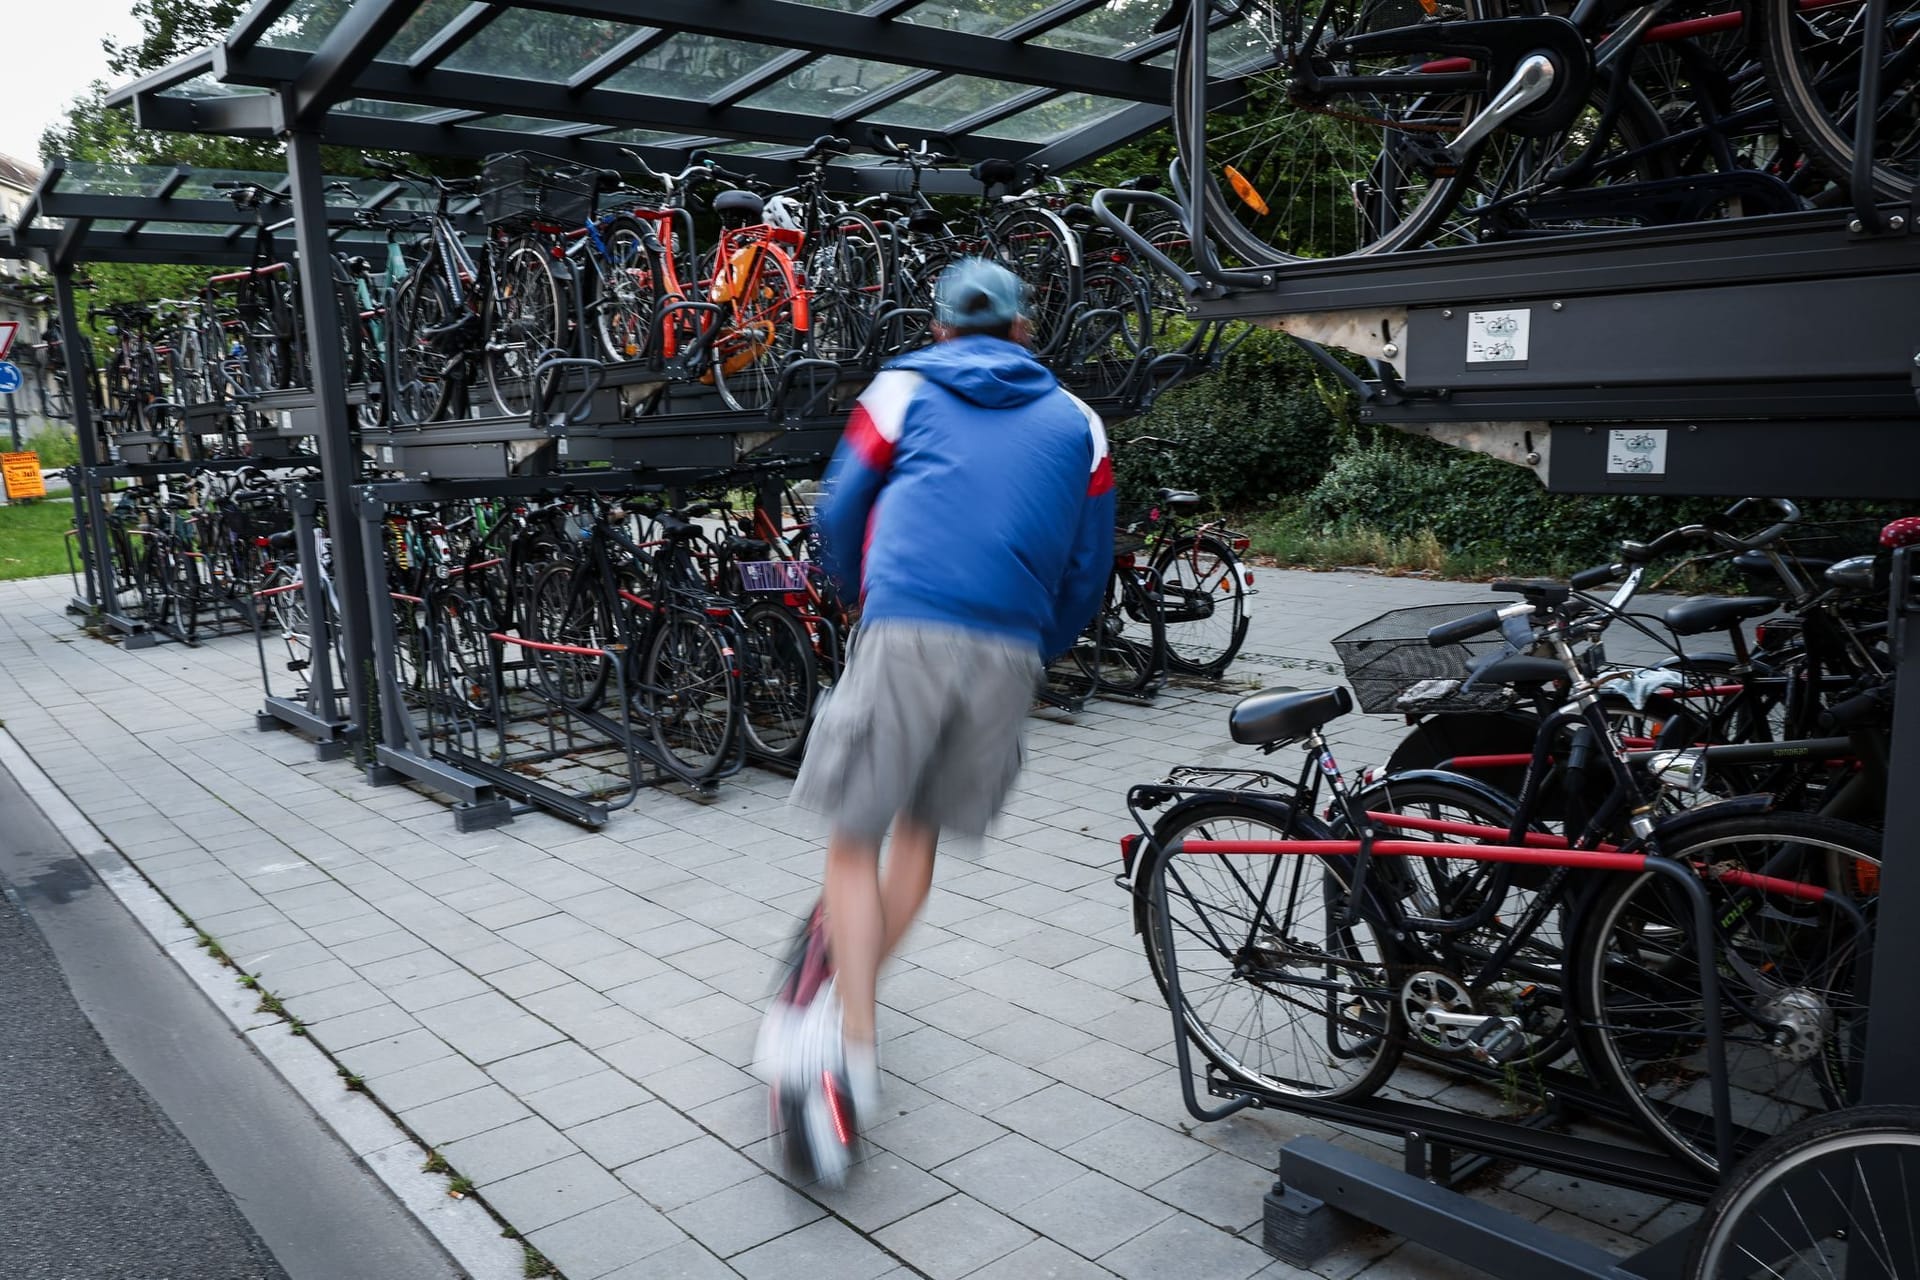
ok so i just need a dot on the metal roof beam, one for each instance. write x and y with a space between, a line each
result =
466 24
778 22
255 23
610 63
194 64
348 50
1101 136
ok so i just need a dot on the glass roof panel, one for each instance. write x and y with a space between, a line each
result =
691 66
1109 31
305 24
845 6
821 84
526 124
981 17
754 148
945 102
645 138
87 177
426 23
531 45
387 110
205 86
1054 118
1230 47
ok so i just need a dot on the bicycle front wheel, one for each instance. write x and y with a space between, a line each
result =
692 695
1273 990
1205 591
1794 1012
523 322
1812 57
1288 175
1833 1187
779 682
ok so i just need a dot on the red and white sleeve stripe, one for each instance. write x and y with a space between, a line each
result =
873 430
1100 476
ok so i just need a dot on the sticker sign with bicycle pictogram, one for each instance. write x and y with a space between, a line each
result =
20 473
1498 337
1637 451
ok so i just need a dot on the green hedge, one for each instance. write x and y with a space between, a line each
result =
1260 428
1483 510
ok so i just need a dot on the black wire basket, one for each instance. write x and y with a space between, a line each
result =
1393 669
516 192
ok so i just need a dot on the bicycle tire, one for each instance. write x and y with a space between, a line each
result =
1367 1039
625 291
1123 648
1635 981
1193 567
557 613
419 379
692 695
779 682
1812 60
762 331
1728 1242
1044 252
846 273
1255 235
521 322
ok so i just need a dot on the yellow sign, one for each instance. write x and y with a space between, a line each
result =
21 472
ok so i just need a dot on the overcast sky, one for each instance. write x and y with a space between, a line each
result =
54 53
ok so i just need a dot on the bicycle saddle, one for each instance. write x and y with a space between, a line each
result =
1276 715
749 548
1178 499
1754 564
281 541
745 204
989 173
1710 613
1513 668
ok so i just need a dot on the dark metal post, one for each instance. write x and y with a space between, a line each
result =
339 450
13 417
93 540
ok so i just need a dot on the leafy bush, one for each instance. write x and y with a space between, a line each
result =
1493 514
1259 428
56 446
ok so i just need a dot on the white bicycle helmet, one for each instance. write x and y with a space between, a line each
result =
784 212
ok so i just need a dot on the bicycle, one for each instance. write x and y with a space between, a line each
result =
1711 950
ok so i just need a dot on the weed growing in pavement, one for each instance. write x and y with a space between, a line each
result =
357 1084
296 1027
536 1264
212 946
270 1003
460 1186
436 1163
248 981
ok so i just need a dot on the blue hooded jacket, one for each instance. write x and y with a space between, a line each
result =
970 489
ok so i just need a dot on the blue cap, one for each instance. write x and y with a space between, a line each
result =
975 294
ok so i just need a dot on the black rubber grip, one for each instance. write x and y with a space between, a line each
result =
1598 576
1850 713
1464 628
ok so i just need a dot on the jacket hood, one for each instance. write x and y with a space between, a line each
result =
989 372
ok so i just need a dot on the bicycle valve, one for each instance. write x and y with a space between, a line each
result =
1531 81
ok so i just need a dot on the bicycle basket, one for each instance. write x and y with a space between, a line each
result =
1393 669
773 575
516 193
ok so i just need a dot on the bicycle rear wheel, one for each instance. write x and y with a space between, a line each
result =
846 272
1205 591
1123 650
624 298
1273 992
558 614
1795 1021
778 681
1043 251
1812 57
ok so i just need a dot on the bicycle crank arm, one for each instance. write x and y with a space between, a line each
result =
1532 80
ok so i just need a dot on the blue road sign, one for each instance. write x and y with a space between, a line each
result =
9 376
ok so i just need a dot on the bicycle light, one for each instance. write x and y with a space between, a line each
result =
1683 771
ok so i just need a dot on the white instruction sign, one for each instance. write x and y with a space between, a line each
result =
1637 451
1497 337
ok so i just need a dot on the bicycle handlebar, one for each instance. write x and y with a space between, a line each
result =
1641 552
1474 624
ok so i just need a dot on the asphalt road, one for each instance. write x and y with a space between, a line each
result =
141 1138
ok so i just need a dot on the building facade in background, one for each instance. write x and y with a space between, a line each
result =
18 178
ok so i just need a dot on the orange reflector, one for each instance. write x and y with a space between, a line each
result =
1866 876
1244 189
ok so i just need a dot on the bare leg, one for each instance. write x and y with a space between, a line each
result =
855 928
909 874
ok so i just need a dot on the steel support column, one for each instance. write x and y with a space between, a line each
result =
339 450
93 540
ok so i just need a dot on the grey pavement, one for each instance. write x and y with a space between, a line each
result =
567 1016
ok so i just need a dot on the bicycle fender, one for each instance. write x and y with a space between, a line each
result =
1495 797
1732 807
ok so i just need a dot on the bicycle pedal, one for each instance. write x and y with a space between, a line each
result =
1497 1040
298 664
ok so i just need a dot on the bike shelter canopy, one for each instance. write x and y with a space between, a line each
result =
86 212
1051 82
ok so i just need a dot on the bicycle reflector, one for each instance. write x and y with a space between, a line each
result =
1129 845
1242 542
1245 190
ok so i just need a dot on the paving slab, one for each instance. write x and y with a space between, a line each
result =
567 1015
